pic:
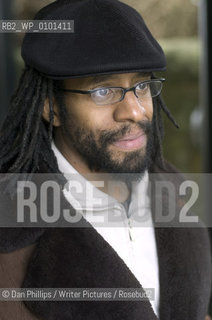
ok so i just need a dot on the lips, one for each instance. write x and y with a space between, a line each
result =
131 141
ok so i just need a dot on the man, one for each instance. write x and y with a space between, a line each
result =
88 103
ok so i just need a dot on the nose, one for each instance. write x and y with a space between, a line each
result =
131 109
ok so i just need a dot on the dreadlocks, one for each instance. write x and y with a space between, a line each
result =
25 137
158 128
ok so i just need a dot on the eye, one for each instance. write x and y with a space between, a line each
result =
102 93
142 86
104 96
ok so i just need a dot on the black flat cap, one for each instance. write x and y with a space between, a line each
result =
109 37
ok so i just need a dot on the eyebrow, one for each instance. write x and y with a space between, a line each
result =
103 78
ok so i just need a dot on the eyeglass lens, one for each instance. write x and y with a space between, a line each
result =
106 96
149 89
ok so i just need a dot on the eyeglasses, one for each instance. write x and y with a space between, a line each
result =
109 95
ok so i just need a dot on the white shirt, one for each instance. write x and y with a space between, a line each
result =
134 242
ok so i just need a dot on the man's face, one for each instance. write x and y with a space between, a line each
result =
114 138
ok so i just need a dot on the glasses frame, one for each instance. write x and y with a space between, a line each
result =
124 90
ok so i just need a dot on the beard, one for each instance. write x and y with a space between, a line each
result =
128 166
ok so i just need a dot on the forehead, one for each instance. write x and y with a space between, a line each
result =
88 81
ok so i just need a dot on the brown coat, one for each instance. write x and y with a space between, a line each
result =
79 257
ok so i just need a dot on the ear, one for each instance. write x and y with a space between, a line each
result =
56 121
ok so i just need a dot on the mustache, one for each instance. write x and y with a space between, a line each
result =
107 137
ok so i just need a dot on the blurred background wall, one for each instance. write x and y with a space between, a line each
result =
175 24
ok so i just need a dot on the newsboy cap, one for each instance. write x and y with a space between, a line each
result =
109 37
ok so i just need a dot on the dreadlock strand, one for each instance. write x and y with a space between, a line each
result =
47 155
168 113
24 83
14 119
158 138
35 139
9 156
36 157
28 131
51 110
157 135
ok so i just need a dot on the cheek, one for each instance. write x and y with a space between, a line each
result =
77 113
148 105
98 120
87 116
